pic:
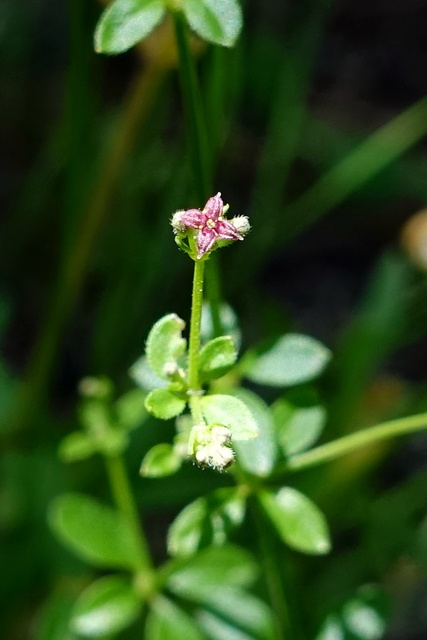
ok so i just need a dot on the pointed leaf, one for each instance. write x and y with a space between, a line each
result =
257 455
217 357
291 360
206 521
164 404
217 21
212 568
161 460
96 533
232 413
165 345
106 607
167 621
126 22
297 520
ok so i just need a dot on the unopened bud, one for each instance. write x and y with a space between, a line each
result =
241 224
177 224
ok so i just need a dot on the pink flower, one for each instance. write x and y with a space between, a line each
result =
211 225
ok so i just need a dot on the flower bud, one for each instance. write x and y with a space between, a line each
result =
241 224
211 446
177 223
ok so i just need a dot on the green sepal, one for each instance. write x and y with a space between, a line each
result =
292 359
206 521
161 460
297 520
165 345
216 358
126 22
217 21
230 412
106 607
164 404
96 533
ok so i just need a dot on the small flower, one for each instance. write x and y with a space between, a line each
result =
210 446
210 223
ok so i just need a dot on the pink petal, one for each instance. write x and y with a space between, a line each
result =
227 231
193 218
205 241
213 207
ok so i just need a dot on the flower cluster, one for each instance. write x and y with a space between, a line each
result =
210 446
210 225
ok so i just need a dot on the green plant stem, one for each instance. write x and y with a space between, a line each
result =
194 343
354 441
123 497
196 126
272 575
200 151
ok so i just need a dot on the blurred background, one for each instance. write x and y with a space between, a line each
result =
317 128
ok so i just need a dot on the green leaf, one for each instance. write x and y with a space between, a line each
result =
76 446
167 621
297 520
161 460
233 613
96 533
229 324
217 357
164 404
53 618
106 607
332 629
232 413
206 521
217 21
212 568
299 421
257 456
165 345
126 22
95 416
130 409
143 375
291 360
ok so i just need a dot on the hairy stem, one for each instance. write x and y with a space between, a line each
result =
194 343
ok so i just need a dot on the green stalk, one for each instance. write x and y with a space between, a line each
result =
200 154
122 492
272 575
195 339
354 441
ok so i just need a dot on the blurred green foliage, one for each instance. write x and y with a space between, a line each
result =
96 163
